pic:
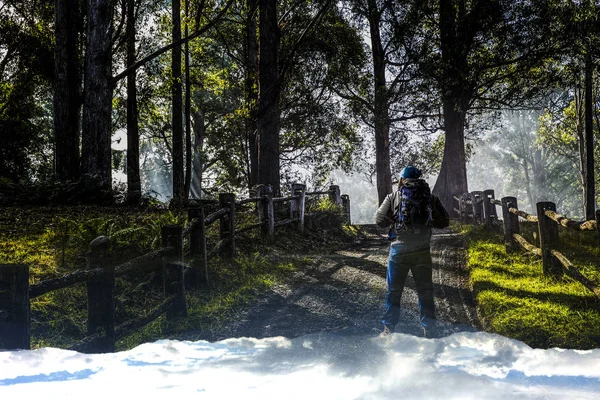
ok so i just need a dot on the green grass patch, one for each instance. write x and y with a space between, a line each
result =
515 299
54 241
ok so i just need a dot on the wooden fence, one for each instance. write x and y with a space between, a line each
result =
99 276
479 208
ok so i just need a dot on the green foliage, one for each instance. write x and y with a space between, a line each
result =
515 299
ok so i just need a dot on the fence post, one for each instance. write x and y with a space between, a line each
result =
511 223
334 195
346 205
198 247
172 236
489 209
548 231
297 205
266 213
227 224
175 285
14 307
462 209
477 199
101 295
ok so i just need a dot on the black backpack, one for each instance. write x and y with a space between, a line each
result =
414 214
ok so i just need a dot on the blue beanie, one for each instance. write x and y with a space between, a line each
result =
410 172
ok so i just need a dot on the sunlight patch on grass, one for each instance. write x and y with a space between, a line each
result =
515 299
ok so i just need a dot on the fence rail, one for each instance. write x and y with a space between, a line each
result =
548 220
16 293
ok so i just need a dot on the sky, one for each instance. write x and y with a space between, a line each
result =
326 365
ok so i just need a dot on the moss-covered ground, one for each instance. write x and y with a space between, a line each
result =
515 299
54 240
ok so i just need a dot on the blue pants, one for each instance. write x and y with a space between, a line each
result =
416 258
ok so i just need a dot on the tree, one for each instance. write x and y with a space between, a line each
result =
97 104
269 114
177 106
67 88
134 186
482 56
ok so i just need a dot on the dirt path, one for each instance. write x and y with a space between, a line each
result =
345 292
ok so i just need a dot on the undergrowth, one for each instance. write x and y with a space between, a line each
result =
54 241
515 299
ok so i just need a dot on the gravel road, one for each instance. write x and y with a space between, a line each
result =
345 291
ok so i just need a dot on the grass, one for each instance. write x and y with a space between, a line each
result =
53 241
515 299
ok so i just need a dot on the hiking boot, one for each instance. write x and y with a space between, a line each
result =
429 331
387 330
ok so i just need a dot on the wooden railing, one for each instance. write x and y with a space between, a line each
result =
99 276
548 220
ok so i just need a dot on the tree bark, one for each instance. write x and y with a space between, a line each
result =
97 105
251 86
381 114
177 106
188 107
452 179
134 186
579 114
269 115
590 198
67 89
198 167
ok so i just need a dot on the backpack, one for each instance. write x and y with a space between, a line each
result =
414 214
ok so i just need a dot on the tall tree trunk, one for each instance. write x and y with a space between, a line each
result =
67 89
134 186
268 117
251 86
453 172
381 115
452 179
188 107
590 198
198 167
177 110
579 115
97 104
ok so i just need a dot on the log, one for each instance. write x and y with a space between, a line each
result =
215 216
250 227
575 274
523 214
282 199
569 223
526 245
64 281
249 200
285 222
148 261
133 325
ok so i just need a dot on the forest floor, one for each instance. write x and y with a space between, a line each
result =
344 291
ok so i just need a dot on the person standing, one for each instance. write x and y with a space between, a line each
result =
411 211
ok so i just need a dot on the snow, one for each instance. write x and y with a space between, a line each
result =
464 365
